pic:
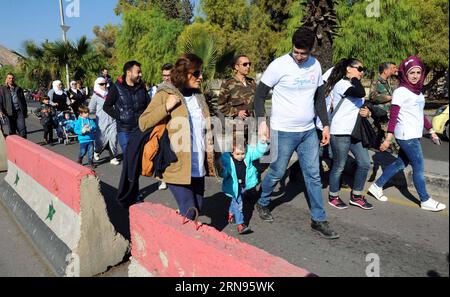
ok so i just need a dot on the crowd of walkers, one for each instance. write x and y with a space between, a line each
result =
167 131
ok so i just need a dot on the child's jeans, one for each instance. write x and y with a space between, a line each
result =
87 147
236 207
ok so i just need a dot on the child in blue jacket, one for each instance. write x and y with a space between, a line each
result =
239 176
85 128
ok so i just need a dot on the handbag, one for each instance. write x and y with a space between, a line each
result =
364 132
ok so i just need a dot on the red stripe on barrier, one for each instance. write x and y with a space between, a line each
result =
59 175
165 247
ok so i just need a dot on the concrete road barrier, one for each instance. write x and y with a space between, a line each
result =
59 204
163 246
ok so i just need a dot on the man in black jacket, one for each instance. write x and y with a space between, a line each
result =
126 101
14 106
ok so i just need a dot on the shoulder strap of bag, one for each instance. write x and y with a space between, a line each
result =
337 107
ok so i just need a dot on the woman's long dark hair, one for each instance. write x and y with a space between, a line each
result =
339 72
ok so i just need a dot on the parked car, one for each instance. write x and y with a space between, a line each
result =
440 121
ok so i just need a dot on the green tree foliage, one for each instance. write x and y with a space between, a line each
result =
105 43
206 41
297 14
46 62
247 28
392 36
148 37
433 46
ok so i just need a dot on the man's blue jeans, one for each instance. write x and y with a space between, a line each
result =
123 140
410 153
306 144
341 145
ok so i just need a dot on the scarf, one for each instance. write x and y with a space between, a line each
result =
98 90
405 67
55 87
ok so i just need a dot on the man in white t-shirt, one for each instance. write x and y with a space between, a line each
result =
298 96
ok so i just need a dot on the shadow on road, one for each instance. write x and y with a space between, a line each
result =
119 217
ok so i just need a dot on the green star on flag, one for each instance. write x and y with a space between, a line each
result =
17 179
51 212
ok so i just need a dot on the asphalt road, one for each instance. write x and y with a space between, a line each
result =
407 240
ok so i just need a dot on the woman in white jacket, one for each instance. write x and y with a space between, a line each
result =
106 135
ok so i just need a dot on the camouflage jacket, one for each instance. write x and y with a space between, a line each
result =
235 96
379 93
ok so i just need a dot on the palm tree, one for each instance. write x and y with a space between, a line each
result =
321 18
205 47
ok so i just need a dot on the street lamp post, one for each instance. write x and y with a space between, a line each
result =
64 29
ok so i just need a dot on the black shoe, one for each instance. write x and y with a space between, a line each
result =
264 213
324 230
80 161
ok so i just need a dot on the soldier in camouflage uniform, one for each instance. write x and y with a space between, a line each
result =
235 101
381 96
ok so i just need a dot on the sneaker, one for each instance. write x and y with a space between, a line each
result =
113 161
162 186
432 205
264 213
324 229
97 156
230 218
243 229
335 201
360 201
377 192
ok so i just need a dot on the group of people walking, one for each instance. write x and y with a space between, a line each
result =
303 102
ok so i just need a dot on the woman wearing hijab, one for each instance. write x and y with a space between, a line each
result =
106 136
58 97
406 124
76 97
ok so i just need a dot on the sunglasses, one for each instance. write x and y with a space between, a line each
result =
197 73
360 68
102 84
246 64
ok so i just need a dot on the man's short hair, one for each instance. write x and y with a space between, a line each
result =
167 66
235 60
383 66
130 64
303 38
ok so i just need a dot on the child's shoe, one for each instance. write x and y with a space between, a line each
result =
243 229
230 218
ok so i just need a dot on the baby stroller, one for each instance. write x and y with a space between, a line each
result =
65 127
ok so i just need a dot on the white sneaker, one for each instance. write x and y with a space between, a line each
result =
432 205
162 186
96 156
377 192
114 161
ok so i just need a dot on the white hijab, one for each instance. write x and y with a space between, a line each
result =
55 85
97 88
73 89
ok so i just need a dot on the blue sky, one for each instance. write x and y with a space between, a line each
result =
38 20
